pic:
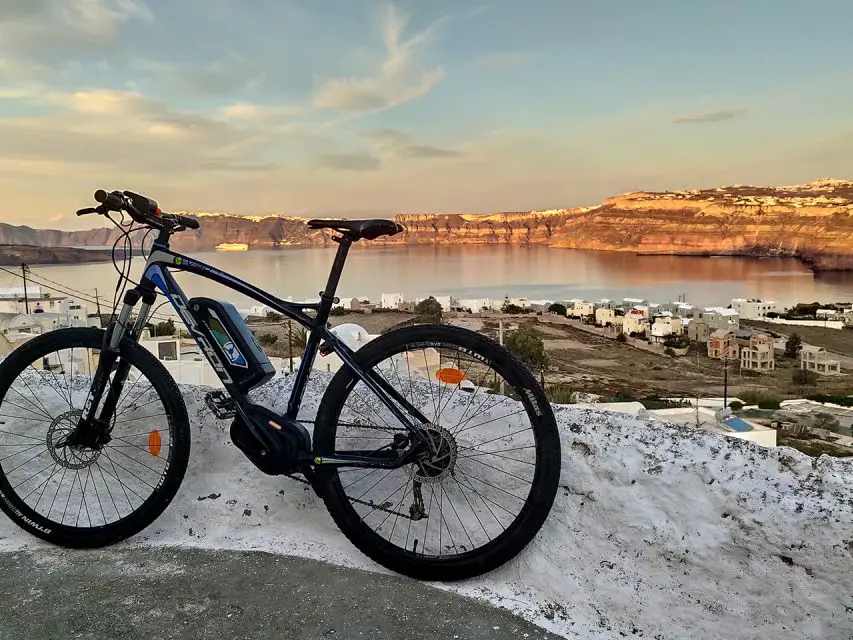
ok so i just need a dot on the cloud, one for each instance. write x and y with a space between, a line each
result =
124 131
34 27
400 145
400 78
248 112
711 116
349 161
228 75
503 60
101 17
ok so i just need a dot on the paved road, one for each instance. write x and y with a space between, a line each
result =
172 593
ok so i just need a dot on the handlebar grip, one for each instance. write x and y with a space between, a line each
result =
189 223
111 201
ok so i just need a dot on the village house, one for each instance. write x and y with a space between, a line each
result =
664 326
720 318
698 330
755 309
757 352
608 317
582 309
635 322
722 345
816 359
391 300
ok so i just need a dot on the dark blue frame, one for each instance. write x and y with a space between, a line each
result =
157 274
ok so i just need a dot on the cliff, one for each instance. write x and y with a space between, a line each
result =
14 255
812 222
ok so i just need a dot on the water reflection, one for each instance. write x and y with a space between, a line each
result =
495 271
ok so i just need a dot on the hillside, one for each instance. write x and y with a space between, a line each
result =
14 255
812 222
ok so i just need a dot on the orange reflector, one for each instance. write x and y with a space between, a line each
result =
450 375
154 443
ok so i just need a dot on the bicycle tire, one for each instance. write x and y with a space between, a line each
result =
140 518
540 498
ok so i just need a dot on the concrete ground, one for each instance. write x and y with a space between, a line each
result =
180 593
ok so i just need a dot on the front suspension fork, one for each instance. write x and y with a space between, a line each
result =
109 356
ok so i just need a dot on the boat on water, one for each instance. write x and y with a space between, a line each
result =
232 246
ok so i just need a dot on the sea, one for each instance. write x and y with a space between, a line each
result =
537 273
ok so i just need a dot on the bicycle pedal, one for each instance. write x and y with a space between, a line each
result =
220 404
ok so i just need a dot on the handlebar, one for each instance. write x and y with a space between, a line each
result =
141 208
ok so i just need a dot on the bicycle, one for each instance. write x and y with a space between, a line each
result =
401 441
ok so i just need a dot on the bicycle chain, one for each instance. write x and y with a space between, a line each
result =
416 511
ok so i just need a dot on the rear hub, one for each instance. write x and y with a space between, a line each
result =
437 466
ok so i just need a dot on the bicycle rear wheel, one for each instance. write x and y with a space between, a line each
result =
489 486
78 496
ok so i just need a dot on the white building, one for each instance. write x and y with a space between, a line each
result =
721 318
607 316
581 309
352 335
474 305
666 325
73 310
635 321
445 302
391 300
700 417
754 309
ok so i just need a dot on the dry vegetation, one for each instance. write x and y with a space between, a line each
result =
586 362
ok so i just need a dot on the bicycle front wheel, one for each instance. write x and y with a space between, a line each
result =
488 487
78 496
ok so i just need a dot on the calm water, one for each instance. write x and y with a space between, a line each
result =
495 271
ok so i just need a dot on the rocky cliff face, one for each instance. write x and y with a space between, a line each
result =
813 222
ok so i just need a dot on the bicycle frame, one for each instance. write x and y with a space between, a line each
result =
157 275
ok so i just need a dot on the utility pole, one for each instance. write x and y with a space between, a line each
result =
726 380
98 305
501 342
24 270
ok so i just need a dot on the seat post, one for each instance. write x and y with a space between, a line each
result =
327 296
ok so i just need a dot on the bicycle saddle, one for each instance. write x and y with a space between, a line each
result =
358 229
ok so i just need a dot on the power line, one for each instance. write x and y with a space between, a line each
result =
61 288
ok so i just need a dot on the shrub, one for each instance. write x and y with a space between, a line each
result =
749 373
676 341
529 348
429 310
272 316
621 338
793 345
166 328
267 339
559 309
560 394
338 311
669 351
844 401
508 307
734 405
804 377
756 396
768 403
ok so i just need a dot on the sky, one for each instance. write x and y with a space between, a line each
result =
357 108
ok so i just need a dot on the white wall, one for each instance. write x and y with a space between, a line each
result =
828 324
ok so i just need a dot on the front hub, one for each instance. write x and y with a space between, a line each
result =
65 447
